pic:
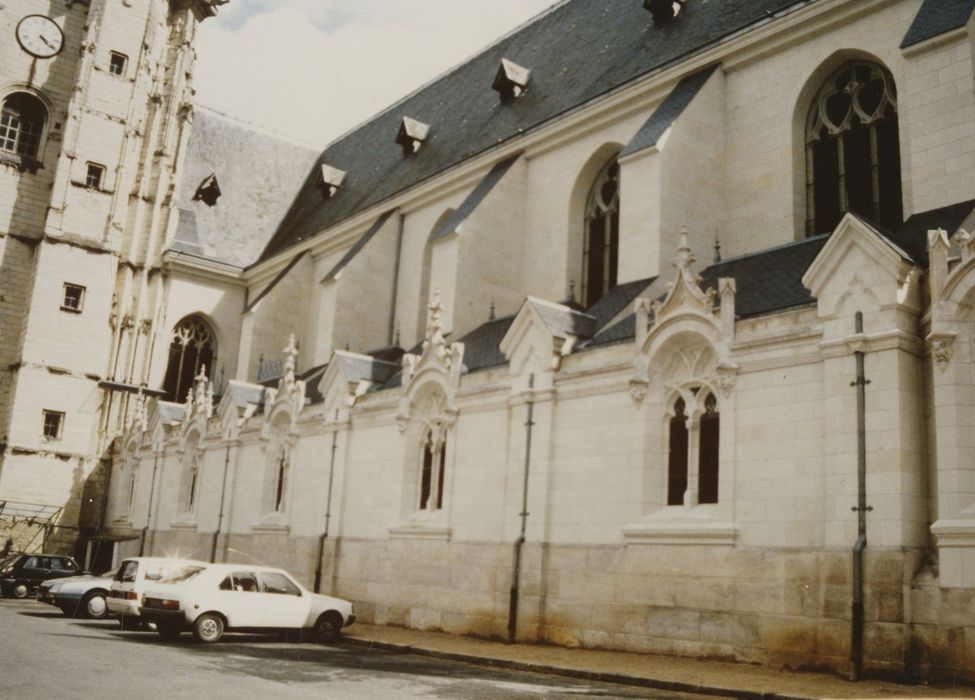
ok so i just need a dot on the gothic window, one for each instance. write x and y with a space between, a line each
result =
281 481
130 484
191 478
677 456
692 458
21 123
277 475
707 480
852 149
432 470
193 346
602 235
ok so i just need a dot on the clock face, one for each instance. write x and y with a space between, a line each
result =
40 36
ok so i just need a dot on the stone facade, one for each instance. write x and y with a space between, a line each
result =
673 468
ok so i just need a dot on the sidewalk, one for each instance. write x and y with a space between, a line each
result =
649 671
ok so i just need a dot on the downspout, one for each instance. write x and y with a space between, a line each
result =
223 496
516 562
155 523
328 512
395 301
152 490
861 508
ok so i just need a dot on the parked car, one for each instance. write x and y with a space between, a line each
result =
21 573
78 596
212 598
130 580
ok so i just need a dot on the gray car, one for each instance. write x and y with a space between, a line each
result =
78 596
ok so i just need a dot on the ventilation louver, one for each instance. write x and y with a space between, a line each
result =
511 80
330 180
412 134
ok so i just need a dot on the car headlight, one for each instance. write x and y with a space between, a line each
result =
54 589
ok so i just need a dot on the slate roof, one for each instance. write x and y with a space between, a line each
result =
258 176
936 17
576 52
667 112
912 236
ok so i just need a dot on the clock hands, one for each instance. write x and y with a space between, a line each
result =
44 39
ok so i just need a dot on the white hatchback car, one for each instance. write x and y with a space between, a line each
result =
131 579
212 598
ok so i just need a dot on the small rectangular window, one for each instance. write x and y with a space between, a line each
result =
74 297
53 424
94 175
116 63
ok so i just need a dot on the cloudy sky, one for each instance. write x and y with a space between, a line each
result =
312 69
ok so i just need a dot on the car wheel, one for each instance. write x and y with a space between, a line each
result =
20 589
93 605
168 632
328 627
208 628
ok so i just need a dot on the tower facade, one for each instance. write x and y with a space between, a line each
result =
96 110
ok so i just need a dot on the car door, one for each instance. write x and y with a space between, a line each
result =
284 605
34 569
63 566
239 597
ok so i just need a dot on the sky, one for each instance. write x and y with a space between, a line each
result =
310 70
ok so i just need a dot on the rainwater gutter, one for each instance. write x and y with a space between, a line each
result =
516 558
328 514
861 508
395 300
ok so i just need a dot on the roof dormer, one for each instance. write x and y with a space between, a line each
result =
412 134
663 10
510 80
330 180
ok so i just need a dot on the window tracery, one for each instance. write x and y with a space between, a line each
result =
192 348
852 149
693 448
600 251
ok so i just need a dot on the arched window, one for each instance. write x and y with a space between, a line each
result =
190 483
601 239
193 346
22 120
281 482
693 450
852 149
677 455
432 470
707 478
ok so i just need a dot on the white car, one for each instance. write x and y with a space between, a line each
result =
78 595
131 579
218 597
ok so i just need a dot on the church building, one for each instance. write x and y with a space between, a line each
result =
649 327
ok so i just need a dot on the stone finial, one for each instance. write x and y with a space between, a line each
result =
641 310
685 258
200 398
290 357
966 243
726 291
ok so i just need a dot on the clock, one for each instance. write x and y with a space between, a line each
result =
40 36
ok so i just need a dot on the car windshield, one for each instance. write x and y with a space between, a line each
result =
184 573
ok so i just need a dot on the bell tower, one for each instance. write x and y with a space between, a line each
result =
96 112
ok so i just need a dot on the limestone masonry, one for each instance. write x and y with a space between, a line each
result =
562 347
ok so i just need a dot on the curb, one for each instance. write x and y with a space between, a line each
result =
618 678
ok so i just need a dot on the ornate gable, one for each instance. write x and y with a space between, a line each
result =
198 408
439 362
288 398
687 340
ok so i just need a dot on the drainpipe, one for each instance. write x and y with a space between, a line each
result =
861 508
393 304
223 496
328 511
161 454
516 561
152 489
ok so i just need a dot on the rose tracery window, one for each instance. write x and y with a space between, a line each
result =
600 251
852 149
193 346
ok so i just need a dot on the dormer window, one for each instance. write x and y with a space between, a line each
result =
663 10
330 180
412 134
511 80
208 192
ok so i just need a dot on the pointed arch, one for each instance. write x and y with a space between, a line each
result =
193 346
846 120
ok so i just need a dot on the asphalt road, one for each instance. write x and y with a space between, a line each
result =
46 655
